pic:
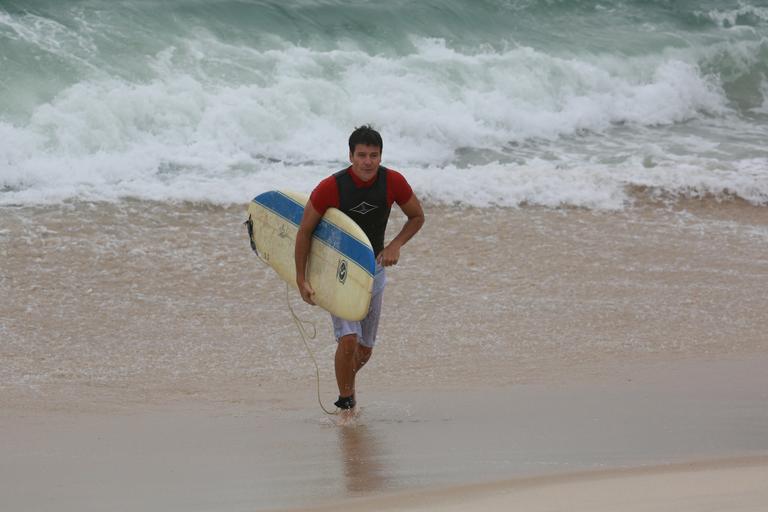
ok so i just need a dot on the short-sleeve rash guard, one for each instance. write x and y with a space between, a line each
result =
326 193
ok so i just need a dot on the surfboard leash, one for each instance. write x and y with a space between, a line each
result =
304 337
298 321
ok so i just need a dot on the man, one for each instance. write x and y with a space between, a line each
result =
364 191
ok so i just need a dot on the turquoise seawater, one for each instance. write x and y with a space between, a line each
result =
480 102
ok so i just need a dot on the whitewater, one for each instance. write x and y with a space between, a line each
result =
593 104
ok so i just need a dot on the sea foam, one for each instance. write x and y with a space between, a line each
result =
210 120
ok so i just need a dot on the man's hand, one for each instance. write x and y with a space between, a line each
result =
309 221
306 291
389 255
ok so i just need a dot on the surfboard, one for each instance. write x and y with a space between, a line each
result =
341 261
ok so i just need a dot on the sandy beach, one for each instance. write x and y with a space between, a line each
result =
618 362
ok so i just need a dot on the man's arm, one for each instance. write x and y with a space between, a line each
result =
303 242
412 209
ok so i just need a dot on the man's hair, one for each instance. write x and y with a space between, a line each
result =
366 136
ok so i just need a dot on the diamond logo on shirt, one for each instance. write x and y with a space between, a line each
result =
363 208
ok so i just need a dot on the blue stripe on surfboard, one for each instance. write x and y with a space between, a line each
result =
326 232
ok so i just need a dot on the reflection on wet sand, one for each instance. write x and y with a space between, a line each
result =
361 454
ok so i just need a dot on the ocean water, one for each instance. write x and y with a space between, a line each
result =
485 103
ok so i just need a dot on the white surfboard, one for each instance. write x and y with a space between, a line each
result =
341 260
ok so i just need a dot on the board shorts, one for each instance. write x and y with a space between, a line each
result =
366 328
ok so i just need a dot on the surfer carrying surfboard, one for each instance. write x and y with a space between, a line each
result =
365 191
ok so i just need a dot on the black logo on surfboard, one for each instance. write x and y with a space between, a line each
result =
341 272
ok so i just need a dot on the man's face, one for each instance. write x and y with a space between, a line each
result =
365 161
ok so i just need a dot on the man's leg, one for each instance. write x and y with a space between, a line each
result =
350 358
355 345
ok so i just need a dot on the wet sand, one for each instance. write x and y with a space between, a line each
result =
407 451
149 361
735 484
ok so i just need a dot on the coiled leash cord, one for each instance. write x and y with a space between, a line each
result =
299 322
305 337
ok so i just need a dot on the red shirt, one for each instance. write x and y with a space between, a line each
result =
326 193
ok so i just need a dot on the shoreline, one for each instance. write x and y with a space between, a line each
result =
579 289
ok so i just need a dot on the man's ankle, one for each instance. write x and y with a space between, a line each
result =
346 402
